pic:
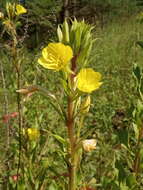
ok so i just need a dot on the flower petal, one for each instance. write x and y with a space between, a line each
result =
20 9
55 56
88 80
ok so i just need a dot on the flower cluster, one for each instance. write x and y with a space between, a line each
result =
12 10
57 56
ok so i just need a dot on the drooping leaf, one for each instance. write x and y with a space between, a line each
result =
123 136
137 72
131 180
59 139
53 186
122 172
140 43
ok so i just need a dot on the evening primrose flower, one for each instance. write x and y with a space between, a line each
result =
56 56
89 145
20 9
33 133
88 80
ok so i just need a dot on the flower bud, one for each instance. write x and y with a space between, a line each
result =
15 177
85 106
60 34
65 32
27 90
89 144
10 9
1 15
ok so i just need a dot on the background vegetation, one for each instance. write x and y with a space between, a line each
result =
111 122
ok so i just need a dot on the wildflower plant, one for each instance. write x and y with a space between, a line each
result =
10 22
70 57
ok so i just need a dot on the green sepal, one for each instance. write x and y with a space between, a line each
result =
59 34
65 31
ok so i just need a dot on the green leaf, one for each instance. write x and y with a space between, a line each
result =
121 169
131 180
59 138
141 85
21 187
123 136
53 186
136 130
123 186
137 72
140 43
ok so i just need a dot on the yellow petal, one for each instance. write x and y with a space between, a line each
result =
88 80
33 133
48 64
56 56
20 9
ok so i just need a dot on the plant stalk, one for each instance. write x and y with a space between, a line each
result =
72 143
17 66
136 166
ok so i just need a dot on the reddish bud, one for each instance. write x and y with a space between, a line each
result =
15 177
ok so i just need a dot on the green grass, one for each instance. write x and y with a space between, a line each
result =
116 52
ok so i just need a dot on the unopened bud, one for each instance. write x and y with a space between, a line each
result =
60 34
10 9
65 31
89 145
85 106
1 15
27 90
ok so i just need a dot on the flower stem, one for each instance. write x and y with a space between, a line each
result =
73 154
72 142
136 166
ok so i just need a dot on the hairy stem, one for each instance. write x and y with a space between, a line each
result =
70 126
71 132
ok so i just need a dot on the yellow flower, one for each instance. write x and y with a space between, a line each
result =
88 80
89 144
33 133
20 9
56 56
